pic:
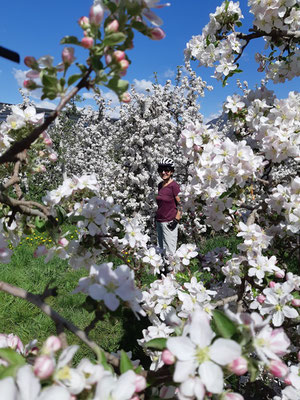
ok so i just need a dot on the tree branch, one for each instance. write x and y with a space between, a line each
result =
57 319
21 145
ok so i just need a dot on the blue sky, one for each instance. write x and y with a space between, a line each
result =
35 27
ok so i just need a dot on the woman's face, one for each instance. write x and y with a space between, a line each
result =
165 172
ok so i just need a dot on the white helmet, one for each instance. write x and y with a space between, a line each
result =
166 162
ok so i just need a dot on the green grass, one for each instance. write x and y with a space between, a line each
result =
28 322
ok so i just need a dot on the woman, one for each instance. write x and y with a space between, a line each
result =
168 211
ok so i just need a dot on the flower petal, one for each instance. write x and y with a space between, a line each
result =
181 347
28 383
200 330
183 369
223 351
8 388
66 356
212 376
55 392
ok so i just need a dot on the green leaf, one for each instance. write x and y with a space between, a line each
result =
96 64
157 344
48 80
40 224
138 369
12 357
118 85
111 6
226 5
11 370
61 214
139 26
73 78
104 362
228 192
76 218
253 369
114 38
222 325
125 363
239 24
70 40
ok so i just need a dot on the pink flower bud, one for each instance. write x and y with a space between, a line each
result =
29 84
278 368
272 284
135 397
119 55
51 345
52 157
87 42
43 367
108 59
239 366
167 357
112 26
96 14
68 55
15 343
31 62
47 141
124 64
261 298
298 355
140 383
63 242
125 97
40 168
157 34
84 22
280 274
233 396
296 302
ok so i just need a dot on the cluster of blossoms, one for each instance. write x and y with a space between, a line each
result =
111 285
277 299
273 123
203 360
285 201
220 45
219 165
167 304
283 16
208 48
117 38
64 381
17 125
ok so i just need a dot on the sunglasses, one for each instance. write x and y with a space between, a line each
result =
164 169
